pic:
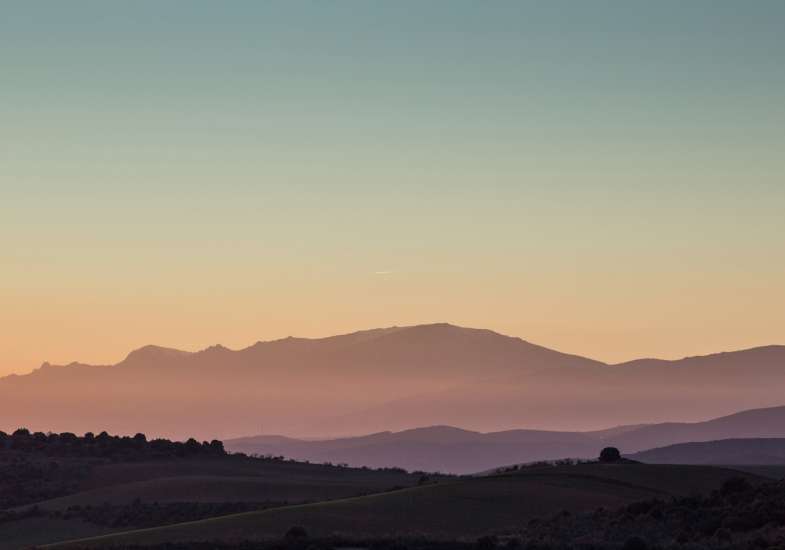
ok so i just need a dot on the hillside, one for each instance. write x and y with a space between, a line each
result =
462 508
748 452
59 486
437 448
754 423
453 450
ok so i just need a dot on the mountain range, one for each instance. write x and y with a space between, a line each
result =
384 379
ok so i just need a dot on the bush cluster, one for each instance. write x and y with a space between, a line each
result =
738 515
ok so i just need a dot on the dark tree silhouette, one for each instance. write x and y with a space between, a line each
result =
105 446
610 454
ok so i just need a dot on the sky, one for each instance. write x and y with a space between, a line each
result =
603 178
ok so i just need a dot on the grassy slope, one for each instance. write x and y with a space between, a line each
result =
273 471
209 489
225 480
776 471
197 480
34 531
464 508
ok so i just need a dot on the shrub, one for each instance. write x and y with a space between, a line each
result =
296 532
610 454
735 485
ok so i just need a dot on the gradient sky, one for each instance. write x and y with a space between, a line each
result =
604 178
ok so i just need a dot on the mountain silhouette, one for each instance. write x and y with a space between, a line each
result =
755 423
383 380
741 452
592 396
454 450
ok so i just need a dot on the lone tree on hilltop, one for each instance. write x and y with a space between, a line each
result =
610 454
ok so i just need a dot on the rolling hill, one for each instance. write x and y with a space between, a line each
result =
236 480
436 448
461 508
383 379
747 452
453 450
58 487
754 423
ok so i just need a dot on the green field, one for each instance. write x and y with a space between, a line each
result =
450 509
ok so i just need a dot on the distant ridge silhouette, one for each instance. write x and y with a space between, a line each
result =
383 379
450 449
738 452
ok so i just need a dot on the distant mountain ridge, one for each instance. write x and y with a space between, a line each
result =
713 359
383 379
453 450
742 452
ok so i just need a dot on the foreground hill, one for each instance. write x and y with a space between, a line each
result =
383 379
453 450
59 486
232 480
453 509
738 515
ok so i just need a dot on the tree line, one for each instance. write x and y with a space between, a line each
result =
103 445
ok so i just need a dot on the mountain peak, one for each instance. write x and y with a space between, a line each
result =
216 349
440 326
152 352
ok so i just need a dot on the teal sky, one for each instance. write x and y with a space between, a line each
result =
601 177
